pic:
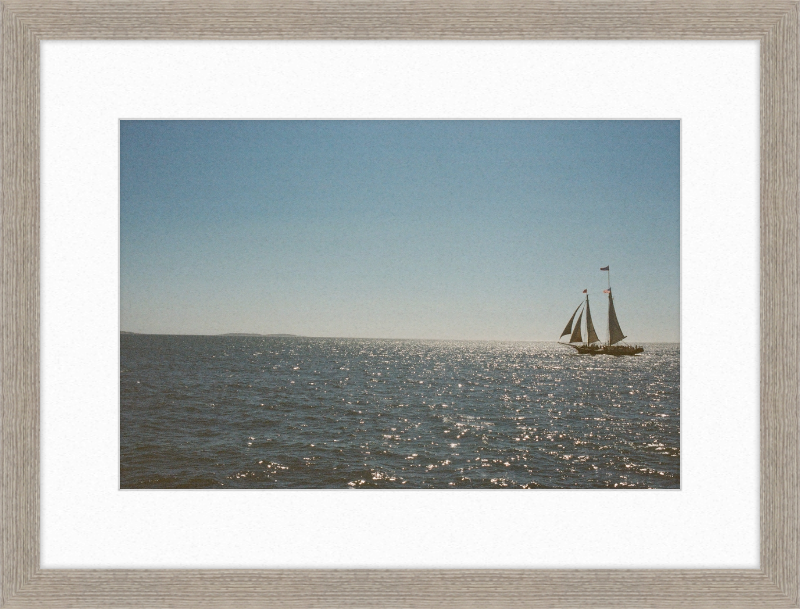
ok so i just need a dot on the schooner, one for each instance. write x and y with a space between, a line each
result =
592 344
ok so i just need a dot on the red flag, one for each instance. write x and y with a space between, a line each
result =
584 291
606 291
605 268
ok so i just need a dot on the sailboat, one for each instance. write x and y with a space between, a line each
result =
592 345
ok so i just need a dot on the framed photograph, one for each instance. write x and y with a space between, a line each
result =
334 355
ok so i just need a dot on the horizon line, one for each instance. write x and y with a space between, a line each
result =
284 335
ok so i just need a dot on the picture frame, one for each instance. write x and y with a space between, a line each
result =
774 24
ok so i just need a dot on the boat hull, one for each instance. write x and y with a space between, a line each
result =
615 350
618 350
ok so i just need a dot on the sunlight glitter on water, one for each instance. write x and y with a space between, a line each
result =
258 412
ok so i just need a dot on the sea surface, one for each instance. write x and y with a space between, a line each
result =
290 412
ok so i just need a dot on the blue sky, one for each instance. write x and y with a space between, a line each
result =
398 229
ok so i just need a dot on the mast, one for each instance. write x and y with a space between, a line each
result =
614 331
607 269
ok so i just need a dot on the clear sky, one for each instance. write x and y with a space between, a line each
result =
399 229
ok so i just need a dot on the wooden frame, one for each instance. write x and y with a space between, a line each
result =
774 23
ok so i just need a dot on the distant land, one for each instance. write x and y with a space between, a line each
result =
228 334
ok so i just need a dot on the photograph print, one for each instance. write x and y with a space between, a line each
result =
399 304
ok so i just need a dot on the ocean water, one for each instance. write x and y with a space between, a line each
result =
285 412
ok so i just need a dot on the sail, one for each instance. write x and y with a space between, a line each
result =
576 333
592 335
568 328
614 331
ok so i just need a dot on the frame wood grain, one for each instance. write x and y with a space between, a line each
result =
24 24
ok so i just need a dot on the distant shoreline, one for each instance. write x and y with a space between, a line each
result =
226 334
